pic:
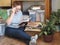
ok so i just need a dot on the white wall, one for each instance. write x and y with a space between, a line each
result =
55 5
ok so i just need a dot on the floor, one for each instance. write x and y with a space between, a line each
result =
11 41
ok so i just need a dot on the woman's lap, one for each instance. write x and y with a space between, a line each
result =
17 32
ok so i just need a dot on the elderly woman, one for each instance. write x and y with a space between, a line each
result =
15 17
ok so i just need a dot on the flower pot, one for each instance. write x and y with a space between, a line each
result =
48 38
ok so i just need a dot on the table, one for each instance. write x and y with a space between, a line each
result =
32 31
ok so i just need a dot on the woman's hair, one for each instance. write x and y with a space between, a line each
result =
15 3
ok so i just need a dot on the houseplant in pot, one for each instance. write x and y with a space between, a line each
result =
48 30
3 17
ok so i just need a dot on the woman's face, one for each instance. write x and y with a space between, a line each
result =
18 7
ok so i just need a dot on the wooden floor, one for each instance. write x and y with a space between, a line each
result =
11 41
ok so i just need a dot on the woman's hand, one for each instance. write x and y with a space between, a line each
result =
9 20
13 10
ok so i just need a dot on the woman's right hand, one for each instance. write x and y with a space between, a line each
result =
13 10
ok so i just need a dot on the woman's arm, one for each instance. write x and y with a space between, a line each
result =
9 20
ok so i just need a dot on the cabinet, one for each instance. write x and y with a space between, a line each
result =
47 5
5 3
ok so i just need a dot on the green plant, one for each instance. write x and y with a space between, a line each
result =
56 16
3 14
49 28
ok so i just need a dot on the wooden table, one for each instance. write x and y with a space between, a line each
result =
32 31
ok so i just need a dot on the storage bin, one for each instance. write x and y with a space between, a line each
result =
2 29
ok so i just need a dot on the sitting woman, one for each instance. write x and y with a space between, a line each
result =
13 28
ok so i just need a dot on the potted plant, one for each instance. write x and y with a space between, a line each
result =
48 30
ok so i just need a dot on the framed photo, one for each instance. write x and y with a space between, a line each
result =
4 3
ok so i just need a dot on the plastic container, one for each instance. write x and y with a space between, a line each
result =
2 29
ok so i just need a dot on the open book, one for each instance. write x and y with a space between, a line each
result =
26 18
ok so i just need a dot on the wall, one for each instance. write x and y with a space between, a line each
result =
55 5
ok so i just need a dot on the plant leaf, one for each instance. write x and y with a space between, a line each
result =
45 33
